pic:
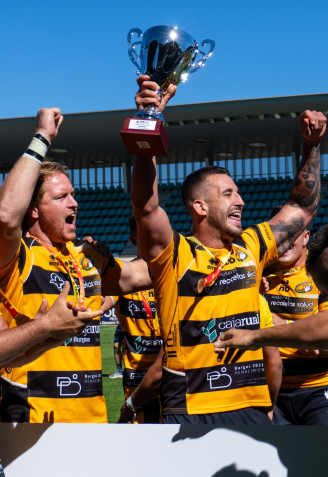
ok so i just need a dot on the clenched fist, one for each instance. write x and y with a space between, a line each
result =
313 126
48 122
147 96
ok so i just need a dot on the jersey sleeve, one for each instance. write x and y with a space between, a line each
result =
111 269
323 302
261 244
265 314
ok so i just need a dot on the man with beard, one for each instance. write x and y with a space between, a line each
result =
64 384
209 282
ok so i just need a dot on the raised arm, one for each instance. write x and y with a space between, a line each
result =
303 201
17 189
154 227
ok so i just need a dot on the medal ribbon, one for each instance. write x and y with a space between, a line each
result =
212 277
148 313
291 271
79 296
10 307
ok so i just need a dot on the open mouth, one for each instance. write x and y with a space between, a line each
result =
235 217
70 221
288 252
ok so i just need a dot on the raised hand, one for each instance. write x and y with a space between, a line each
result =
313 126
67 320
48 122
147 95
241 339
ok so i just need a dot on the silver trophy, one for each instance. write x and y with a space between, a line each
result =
168 56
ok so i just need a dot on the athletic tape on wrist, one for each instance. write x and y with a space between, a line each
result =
130 405
38 148
113 299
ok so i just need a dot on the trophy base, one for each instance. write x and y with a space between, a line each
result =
145 137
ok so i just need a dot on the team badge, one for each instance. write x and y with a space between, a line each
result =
241 256
86 263
304 287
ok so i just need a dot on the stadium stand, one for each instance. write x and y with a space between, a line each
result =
103 212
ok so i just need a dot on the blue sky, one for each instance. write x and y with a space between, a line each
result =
73 53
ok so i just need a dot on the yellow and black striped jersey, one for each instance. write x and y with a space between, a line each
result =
65 383
193 381
294 296
140 350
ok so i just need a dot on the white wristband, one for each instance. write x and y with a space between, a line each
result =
129 405
113 299
38 148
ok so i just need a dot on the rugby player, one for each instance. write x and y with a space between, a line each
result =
142 340
292 295
65 383
310 333
196 300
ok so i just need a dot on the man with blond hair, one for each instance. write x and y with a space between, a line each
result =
65 383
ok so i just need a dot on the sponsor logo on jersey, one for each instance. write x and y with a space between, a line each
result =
56 280
133 308
304 287
210 334
241 256
86 263
219 379
137 344
69 387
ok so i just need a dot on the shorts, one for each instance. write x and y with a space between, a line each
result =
149 413
118 337
247 416
302 406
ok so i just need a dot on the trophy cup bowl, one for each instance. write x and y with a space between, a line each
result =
168 55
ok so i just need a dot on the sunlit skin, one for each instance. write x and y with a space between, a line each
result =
55 215
216 210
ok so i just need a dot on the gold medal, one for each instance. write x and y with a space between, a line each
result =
200 285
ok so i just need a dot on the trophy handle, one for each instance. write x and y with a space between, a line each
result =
133 55
204 56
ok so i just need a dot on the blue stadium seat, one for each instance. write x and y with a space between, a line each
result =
271 196
325 220
125 238
317 220
262 196
169 201
246 214
321 211
259 205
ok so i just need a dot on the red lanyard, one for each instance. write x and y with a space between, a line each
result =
210 279
149 314
79 295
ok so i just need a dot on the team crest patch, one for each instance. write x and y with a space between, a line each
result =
241 255
86 263
304 287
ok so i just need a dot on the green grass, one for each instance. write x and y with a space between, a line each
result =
112 388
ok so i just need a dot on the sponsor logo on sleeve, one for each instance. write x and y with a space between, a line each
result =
87 263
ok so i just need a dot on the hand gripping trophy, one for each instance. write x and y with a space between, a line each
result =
168 55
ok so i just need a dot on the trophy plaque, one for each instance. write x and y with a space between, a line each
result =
168 55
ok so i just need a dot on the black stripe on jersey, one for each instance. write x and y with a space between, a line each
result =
195 333
110 264
21 258
322 299
303 366
90 337
176 239
226 377
239 241
290 305
132 377
29 241
263 245
228 281
64 384
135 308
173 391
50 282
14 407
142 344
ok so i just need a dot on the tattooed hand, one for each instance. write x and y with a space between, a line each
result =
303 201
313 126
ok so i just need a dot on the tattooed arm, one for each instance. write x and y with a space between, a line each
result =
303 200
